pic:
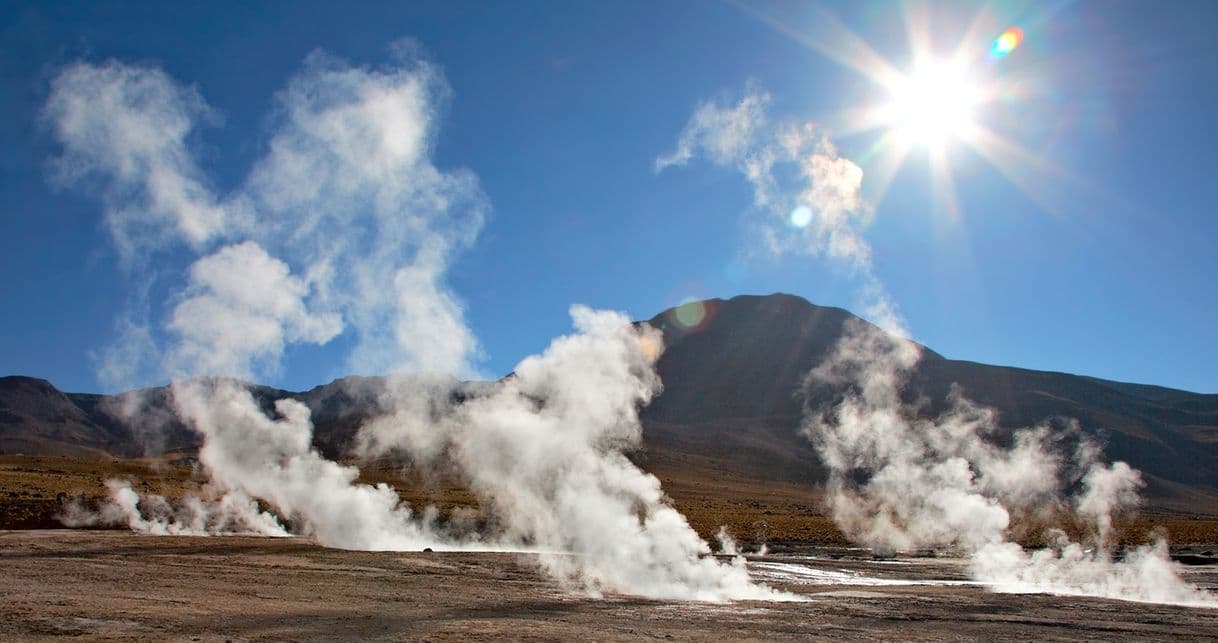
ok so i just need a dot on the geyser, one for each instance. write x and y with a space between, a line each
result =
345 226
899 480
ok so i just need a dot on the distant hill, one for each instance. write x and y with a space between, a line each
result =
732 372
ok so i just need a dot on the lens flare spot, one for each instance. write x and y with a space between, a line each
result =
690 313
1006 42
801 216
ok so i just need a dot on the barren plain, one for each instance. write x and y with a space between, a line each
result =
118 585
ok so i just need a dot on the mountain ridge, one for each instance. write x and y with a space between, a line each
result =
733 372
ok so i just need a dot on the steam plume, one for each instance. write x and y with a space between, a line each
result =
212 513
127 128
544 449
898 480
345 225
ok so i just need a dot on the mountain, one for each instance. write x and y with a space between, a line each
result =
733 385
35 417
733 374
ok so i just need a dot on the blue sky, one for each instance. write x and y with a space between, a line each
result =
1097 259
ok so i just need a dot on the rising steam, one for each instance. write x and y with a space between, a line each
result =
544 449
345 227
212 512
899 480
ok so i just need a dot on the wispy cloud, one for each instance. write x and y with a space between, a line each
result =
124 131
806 196
807 192
346 215
725 134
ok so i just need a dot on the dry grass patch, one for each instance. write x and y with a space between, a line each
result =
32 489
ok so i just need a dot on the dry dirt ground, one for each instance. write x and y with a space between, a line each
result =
117 585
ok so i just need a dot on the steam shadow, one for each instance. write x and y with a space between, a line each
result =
162 550
384 622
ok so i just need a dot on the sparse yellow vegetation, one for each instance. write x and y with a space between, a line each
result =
32 489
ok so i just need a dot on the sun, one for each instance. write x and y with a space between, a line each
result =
932 106
943 105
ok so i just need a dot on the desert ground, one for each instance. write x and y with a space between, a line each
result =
113 584
118 585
